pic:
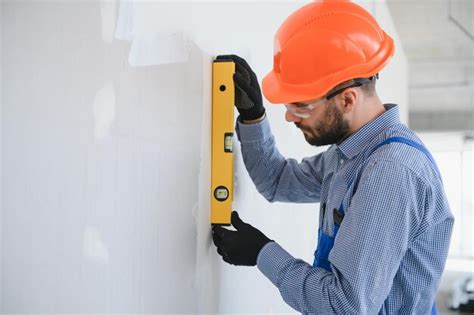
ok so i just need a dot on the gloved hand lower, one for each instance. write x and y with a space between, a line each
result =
248 97
239 247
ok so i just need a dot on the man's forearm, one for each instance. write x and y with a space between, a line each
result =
276 178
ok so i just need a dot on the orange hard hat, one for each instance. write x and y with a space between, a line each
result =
321 45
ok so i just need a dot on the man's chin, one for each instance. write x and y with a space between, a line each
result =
311 140
317 142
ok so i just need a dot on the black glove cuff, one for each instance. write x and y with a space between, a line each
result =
261 246
252 113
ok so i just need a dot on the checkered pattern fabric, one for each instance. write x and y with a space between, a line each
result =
391 247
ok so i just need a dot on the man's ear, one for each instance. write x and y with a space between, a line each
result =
349 99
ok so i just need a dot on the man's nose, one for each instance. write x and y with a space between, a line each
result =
292 118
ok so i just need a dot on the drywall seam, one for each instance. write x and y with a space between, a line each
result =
124 27
104 110
158 48
1 163
207 270
108 15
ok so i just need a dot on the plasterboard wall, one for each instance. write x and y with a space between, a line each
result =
100 168
106 165
1 177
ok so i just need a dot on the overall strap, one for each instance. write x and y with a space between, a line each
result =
411 143
406 141
422 148
339 215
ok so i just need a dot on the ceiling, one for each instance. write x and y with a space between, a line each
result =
438 39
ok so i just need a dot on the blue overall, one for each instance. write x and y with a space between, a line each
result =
326 242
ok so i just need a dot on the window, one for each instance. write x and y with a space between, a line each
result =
453 153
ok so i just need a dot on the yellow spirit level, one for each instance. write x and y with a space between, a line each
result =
222 169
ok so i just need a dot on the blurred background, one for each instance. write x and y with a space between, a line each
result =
105 149
438 40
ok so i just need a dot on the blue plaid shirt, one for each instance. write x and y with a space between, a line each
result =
390 251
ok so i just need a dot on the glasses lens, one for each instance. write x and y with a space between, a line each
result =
303 110
299 110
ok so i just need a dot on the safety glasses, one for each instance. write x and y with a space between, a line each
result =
303 110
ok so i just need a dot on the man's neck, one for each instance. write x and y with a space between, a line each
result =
370 110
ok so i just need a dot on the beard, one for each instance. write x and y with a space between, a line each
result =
332 129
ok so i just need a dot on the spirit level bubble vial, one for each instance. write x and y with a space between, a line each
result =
222 160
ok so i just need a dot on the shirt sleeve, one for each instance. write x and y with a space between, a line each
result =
372 239
277 178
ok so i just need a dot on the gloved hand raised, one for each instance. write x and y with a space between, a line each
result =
248 97
239 247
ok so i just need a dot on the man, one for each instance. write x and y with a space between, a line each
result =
385 223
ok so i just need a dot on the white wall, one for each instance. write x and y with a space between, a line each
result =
1 144
106 166
394 79
100 168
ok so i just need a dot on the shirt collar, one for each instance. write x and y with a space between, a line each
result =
353 145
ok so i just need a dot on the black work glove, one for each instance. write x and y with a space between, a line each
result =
248 98
239 247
